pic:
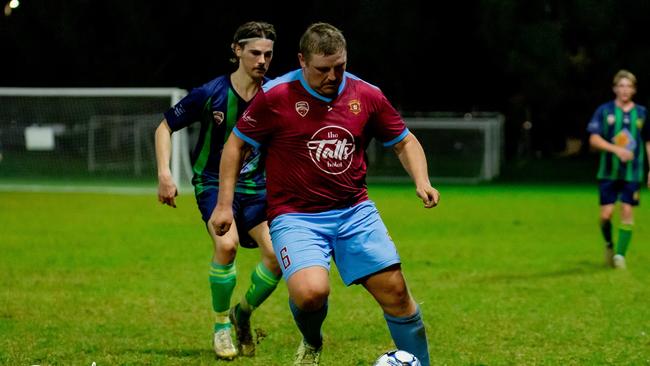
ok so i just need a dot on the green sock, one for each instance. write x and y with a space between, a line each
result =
222 283
624 237
263 282
221 321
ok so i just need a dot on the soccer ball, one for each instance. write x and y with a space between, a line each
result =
397 358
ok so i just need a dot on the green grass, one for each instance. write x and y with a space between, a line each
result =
505 275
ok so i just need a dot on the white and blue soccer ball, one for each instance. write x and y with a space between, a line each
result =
397 358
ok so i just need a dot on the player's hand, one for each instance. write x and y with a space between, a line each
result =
429 195
624 154
221 220
648 180
167 190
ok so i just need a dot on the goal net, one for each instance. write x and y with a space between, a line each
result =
81 136
74 137
465 149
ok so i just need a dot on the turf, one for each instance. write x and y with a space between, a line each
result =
504 274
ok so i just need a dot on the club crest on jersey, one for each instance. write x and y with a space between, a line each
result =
611 119
218 117
355 106
302 108
331 148
639 123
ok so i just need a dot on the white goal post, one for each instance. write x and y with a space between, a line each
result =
71 137
75 137
459 149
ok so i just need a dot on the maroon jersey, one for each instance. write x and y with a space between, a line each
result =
316 145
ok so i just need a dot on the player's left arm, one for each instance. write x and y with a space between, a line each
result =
411 155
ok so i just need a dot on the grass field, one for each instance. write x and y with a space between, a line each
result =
505 275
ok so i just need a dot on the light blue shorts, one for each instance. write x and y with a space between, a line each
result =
354 237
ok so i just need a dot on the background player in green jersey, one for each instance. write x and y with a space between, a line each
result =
217 105
619 130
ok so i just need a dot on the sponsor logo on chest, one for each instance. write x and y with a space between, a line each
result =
331 149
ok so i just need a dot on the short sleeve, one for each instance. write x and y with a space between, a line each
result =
257 122
594 126
188 110
388 125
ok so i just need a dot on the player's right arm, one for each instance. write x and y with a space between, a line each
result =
184 113
598 142
229 167
596 139
167 190
248 131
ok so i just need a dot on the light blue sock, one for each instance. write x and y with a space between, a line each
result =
409 335
310 323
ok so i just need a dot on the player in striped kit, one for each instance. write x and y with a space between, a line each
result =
217 105
619 130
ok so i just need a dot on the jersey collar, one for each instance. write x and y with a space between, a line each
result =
311 91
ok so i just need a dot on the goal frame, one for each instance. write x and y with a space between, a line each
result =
489 124
174 94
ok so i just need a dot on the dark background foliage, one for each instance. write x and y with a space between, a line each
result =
549 62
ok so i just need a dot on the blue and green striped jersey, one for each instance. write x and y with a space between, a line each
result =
626 129
217 107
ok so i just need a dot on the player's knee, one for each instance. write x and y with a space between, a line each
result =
311 302
399 295
310 299
227 247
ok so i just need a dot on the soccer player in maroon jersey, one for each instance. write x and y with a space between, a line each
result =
314 124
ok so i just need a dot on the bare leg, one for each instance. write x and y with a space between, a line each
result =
401 312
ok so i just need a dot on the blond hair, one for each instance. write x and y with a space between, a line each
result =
624 74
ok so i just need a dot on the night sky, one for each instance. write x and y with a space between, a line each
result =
550 62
